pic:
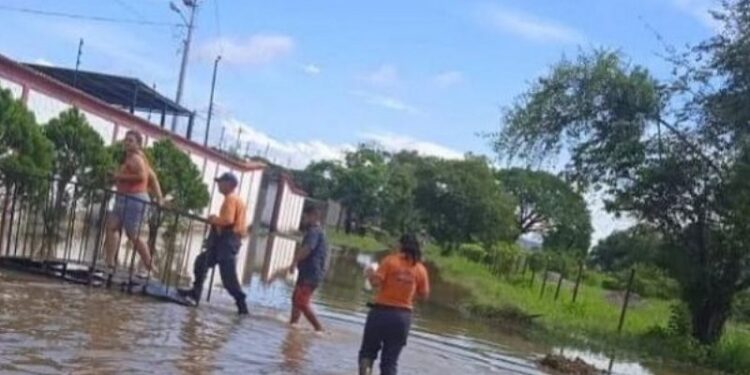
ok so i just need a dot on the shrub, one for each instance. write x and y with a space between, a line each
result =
472 252
503 257
731 355
741 307
649 281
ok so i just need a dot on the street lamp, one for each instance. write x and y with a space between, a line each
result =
192 5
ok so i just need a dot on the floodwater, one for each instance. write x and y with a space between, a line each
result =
50 327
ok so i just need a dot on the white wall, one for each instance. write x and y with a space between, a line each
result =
282 253
106 129
15 89
270 201
45 107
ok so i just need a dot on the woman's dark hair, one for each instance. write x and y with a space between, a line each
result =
411 247
137 135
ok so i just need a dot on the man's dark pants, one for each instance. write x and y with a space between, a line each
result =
386 331
221 250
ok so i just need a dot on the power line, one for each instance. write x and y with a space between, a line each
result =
131 9
40 12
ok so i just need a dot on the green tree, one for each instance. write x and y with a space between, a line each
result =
178 176
79 150
549 207
463 202
181 181
399 210
320 179
360 184
24 149
79 153
685 173
623 249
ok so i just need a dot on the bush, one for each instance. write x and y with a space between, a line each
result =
536 262
503 257
563 263
599 280
472 252
741 307
649 281
731 355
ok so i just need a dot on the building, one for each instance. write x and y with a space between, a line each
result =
114 104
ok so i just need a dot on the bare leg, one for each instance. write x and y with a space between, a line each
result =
111 240
142 250
312 318
296 314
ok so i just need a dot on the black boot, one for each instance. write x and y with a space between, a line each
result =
242 307
189 294
365 366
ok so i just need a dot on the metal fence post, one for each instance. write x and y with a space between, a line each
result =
626 301
559 284
544 279
578 281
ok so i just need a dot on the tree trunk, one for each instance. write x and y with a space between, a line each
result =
710 317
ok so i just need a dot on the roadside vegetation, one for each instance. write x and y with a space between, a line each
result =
671 152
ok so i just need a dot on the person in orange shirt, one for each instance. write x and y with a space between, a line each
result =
222 245
132 181
400 278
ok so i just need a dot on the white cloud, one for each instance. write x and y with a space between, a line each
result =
311 69
255 50
298 154
528 26
43 62
287 153
701 10
384 76
396 142
388 102
449 78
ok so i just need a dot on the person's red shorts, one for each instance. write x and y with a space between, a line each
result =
302 295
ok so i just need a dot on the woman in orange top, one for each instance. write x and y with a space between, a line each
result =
400 277
132 185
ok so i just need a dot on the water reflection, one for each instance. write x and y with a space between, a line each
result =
49 327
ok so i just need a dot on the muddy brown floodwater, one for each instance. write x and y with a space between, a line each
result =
51 327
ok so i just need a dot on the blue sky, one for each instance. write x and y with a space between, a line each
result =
310 78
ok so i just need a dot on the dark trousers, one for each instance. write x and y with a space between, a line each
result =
386 330
222 251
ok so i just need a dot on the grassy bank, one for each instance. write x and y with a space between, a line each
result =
352 241
592 321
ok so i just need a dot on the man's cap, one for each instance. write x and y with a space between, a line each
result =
228 177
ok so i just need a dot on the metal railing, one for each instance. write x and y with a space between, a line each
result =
58 228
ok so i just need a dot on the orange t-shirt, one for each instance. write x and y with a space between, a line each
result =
232 214
400 281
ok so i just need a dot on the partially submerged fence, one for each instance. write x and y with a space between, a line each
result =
57 228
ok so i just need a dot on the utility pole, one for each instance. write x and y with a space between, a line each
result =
211 102
78 62
193 6
221 138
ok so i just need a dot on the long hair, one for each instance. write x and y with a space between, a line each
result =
411 247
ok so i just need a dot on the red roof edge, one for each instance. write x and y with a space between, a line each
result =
20 74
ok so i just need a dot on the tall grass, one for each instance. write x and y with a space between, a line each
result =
593 313
594 317
366 244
